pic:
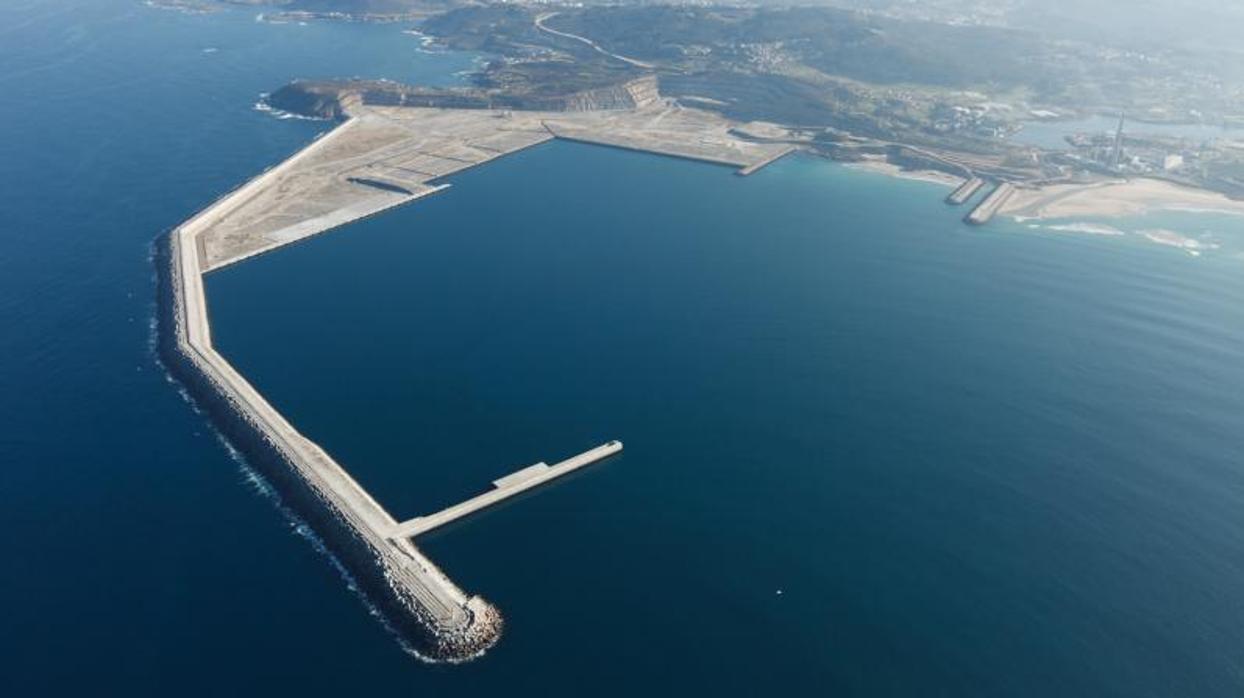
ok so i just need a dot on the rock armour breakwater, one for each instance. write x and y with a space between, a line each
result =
430 614
379 158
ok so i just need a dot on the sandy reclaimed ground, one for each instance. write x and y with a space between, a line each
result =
1114 198
888 168
387 156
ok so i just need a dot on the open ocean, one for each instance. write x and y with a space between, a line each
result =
870 451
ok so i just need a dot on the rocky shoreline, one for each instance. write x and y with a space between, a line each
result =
332 99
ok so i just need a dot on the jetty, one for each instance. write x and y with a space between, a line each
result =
381 157
504 488
965 191
756 166
985 210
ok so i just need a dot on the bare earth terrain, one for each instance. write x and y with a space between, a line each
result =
387 156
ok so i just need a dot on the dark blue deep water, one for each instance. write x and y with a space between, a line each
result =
975 462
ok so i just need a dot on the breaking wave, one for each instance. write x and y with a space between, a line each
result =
263 106
1087 228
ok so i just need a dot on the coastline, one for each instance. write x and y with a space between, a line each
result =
891 170
1114 199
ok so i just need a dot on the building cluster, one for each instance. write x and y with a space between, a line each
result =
1122 154
976 120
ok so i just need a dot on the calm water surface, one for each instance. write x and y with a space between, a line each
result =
974 462
1053 134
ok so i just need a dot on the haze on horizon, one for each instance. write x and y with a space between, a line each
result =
1191 23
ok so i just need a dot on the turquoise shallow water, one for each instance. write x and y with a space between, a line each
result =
997 461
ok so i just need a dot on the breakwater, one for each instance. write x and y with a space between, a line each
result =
427 610
379 158
965 191
504 488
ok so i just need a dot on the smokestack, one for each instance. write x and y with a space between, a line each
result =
1118 146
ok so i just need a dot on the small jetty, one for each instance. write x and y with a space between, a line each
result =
420 603
987 209
504 488
756 166
965 191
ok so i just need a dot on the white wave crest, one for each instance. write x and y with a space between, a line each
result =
1086 228
263 106
1173 238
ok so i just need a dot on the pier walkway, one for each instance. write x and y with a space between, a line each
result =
504 488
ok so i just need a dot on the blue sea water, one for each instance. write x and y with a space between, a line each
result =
973 462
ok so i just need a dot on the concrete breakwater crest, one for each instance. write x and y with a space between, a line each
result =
255 481
432 619
379 158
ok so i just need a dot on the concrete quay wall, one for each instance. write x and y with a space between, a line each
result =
965 191
757 166
985 211
426 610
650 149
504 488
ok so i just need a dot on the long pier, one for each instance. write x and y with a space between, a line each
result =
459 625
504 488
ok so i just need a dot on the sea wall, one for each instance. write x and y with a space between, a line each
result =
384 572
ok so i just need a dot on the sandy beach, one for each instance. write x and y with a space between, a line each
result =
1114 198
892 170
